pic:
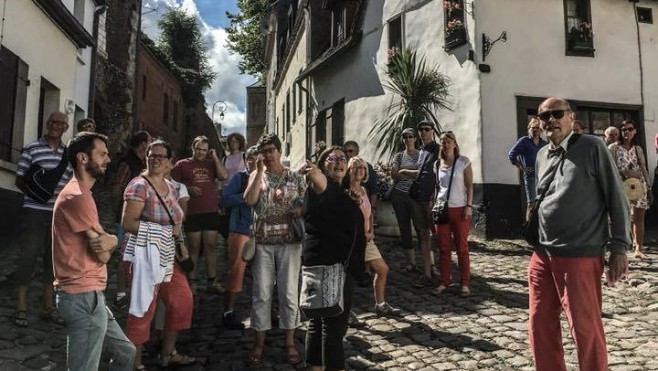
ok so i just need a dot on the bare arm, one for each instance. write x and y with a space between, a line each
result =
317 180
183 205
253 187
101 243
222 173
132 213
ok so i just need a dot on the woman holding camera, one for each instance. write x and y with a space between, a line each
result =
454 186
149 222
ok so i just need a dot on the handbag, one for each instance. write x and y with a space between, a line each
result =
249 248
40 184
187 264
634 189
440 209
321 293
530 228
297 225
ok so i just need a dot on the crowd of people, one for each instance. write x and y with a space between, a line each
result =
320 214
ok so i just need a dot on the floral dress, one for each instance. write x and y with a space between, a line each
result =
627 160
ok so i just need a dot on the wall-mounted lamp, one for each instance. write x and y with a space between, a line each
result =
487 43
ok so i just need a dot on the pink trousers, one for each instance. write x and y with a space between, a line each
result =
458 228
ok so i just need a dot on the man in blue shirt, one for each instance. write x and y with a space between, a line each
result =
523 155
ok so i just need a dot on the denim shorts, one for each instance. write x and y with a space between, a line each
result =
530 188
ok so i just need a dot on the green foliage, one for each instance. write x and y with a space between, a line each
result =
245 35
419 92
182 50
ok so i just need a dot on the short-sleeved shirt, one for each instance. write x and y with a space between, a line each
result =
200 174
234 163
139 190
279 194
75 266
40 153
405 160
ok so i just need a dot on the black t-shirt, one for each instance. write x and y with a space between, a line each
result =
333 223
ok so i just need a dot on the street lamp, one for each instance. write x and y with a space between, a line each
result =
222 107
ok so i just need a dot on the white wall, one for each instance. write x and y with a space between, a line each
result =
31 35
533 63
359 76
649 45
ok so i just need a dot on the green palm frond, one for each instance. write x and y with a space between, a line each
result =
418 93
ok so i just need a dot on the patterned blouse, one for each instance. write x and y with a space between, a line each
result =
628 160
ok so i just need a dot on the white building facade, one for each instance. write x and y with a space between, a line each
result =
598 54
46 55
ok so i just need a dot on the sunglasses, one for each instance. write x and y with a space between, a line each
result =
628 129
333 158
555 113
425 129
408 137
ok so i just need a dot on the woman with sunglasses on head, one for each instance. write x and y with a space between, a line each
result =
403 205
153 216
454 175
631 164
334 227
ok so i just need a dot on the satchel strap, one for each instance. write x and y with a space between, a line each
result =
563 156
164 205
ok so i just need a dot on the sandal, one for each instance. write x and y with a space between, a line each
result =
464 292
292 355
20 318
176 359
52 314
438 290
410 268
256 356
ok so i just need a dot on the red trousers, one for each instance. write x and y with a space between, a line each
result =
572 285
458 228
178 300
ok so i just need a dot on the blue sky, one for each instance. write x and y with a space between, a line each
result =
230 85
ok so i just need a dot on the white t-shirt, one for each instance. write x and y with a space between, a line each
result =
458 191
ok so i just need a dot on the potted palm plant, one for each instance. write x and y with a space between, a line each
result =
418 92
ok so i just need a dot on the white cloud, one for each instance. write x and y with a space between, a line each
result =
230 85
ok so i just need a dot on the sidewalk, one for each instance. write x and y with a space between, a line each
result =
486 331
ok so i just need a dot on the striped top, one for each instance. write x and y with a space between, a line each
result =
157 235
40 153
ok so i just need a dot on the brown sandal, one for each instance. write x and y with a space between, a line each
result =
256 356
176 359
20 318
51 314
292 355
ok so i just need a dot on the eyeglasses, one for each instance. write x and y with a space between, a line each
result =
158 156
408 137
555 113
425 129
268 150
334 158
349 150
627 129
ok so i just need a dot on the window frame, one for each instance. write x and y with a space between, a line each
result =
583 47
390 23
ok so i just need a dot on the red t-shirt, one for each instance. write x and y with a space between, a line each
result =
200 174
75 266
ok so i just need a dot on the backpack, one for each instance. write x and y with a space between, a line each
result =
40 184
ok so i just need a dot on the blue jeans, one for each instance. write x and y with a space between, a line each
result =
530 188
90 323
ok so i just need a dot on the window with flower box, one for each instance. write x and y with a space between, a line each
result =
578 27
454 26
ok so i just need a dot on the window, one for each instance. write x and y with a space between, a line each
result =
294 103
578 27
395 33
287 109
454 26
301 99
79 11
144 87
165 110
645 15
338 26
596 120
338 122
13 96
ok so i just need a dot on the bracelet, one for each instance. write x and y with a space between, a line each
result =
469 205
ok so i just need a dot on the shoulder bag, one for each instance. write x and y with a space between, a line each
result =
187 265
249 248
440 209
418 190
321 293
40 184
530 228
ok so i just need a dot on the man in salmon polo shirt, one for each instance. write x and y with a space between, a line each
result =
81 250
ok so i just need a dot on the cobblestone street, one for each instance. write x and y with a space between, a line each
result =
486 331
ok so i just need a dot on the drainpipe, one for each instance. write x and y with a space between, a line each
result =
138 43
94 59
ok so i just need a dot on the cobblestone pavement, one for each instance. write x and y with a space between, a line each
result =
486 331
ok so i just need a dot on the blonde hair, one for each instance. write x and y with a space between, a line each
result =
358 161
450 135
532 121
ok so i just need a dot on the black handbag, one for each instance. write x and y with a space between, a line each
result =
440 210
40 184
530 228
187 264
